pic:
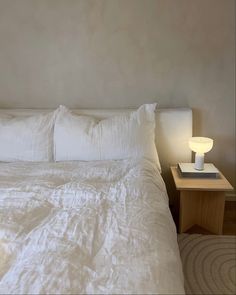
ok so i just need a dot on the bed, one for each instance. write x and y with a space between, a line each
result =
94 227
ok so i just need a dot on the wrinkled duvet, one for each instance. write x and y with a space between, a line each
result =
86 227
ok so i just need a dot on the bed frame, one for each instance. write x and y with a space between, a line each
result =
174 128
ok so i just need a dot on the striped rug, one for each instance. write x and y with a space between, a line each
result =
209 263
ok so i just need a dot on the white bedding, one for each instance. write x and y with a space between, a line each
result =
86 227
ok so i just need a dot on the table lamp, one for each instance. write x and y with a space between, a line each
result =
200 145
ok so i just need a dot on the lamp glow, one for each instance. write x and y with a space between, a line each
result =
200 145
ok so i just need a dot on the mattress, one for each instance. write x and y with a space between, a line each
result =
87 227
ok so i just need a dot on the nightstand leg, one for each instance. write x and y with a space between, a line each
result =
211 211
204 208
188 212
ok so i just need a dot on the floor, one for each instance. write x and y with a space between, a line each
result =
209 260
209 263
229 227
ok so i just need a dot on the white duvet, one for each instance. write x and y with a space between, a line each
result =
86 227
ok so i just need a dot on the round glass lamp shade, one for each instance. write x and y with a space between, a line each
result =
200 145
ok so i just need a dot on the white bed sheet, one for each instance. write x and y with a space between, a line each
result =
86 227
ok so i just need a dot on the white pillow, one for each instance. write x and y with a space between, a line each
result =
123 136
26 138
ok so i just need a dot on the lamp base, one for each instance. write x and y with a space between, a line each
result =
199 162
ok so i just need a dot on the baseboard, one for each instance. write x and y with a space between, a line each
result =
230 197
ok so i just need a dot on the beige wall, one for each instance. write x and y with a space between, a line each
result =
122 53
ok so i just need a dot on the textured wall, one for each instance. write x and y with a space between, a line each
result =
122 53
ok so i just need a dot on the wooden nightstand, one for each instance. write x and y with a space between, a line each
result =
202 201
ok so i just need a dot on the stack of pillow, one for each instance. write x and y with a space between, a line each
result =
62 135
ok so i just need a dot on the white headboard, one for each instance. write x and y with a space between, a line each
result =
174 128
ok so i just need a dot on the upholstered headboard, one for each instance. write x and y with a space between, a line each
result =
173 129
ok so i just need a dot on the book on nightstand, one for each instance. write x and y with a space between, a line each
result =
188 170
